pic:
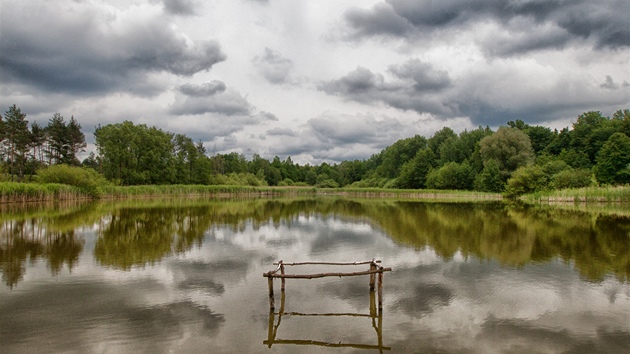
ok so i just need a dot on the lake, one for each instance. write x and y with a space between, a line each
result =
186 276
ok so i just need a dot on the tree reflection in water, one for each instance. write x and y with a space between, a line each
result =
137 233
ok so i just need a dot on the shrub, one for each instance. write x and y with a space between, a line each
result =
571 178
86 179
451 176
328 183
526 179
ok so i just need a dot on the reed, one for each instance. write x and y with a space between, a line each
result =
16 192
604 194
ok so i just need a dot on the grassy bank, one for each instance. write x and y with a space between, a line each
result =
13 192
607 194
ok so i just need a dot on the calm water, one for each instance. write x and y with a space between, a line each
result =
186 276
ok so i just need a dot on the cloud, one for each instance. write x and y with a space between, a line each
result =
275 68
604 23
380 20
415 90
489 93
203 90
609 84
262 115
209 97
83 48
282 132
425 78
180 7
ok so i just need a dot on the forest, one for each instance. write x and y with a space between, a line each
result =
515 159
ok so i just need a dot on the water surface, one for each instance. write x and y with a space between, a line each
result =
185 276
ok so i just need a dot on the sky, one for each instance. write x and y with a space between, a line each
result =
320 81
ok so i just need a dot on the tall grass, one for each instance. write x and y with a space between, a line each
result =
121 192
605 194
15 192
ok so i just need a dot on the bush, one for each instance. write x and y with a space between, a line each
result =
328 183
451 176
526 179
238 179
86 179
572 178
287 182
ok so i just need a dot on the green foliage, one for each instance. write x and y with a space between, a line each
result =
328 183
136 154
510 147
613 160
414 173
11 192
571 178
86 179
15 142
526 179
395 156
451 176
490 179
65 140
287 182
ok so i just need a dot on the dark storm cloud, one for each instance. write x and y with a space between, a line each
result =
275 68
603 22
180 7
282 132
487 96
424 76
415 90
380 20
210 97
203 90
82 48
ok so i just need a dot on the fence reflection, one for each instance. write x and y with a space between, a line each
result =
376 316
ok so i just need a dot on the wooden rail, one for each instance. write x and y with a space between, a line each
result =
374 271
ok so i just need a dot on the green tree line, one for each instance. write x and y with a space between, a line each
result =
516 158
26 148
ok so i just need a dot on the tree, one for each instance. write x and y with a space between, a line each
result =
490 179
76 142
65 140
438 138
590 132
540 138
510 147
622 118
613 160
57 134
414 173
135 154
396 155
451 176
16 141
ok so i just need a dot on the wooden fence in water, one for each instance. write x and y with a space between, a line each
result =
375 269
375 272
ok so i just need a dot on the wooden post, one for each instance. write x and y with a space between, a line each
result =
271 333
372 276
271 299
380 288
372 305
282 272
